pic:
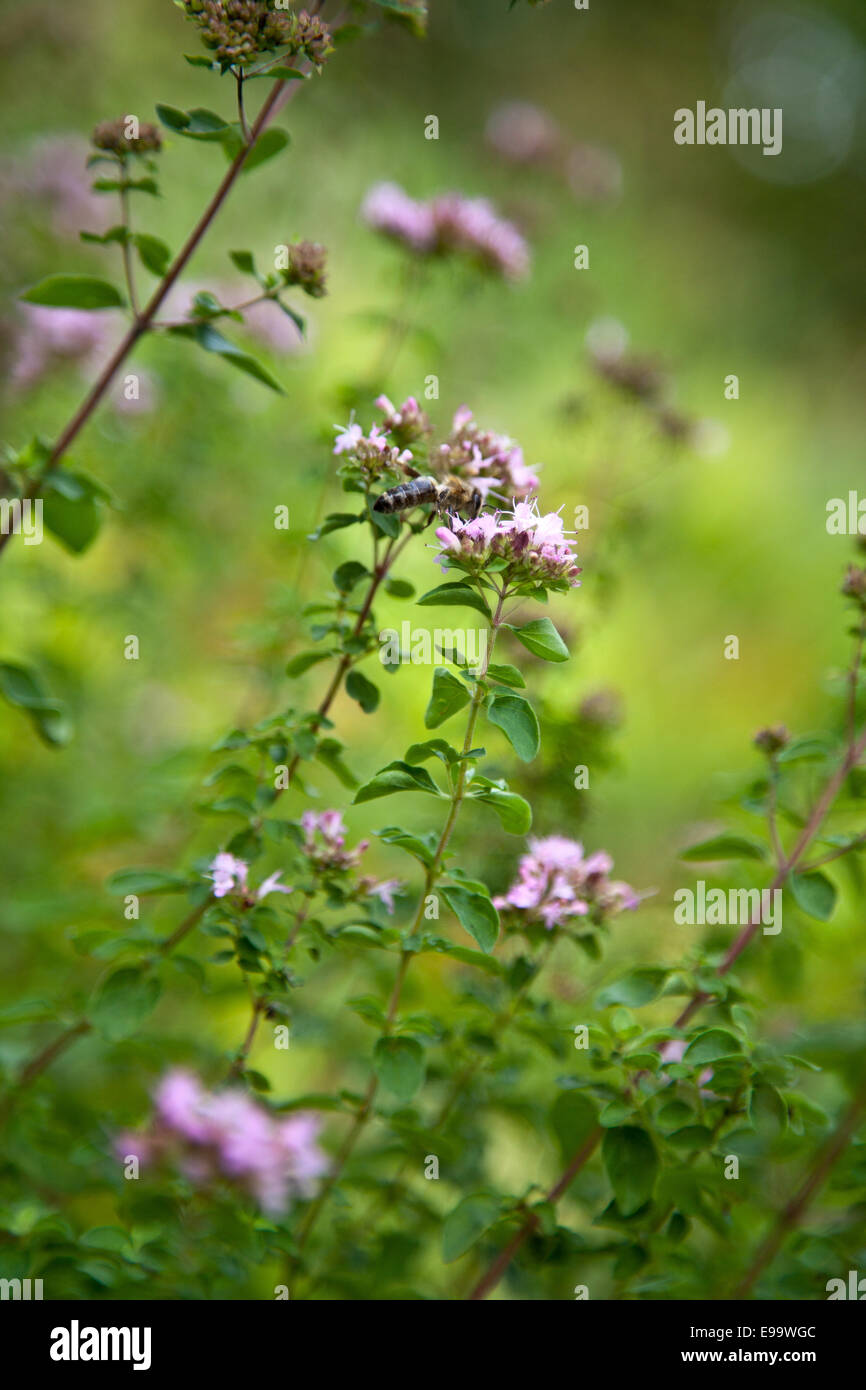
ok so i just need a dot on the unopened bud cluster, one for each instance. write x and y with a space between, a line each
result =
306 268
112 136
240 31
854 585
772 740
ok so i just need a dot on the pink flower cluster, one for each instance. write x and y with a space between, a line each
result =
229 875
489 459
226 1134
325 841
447 224
535 547
555 882
325 847
374 453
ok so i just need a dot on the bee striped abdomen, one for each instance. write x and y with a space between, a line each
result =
407 495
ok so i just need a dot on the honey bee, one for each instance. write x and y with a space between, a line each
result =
449 496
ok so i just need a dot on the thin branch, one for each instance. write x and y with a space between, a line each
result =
128 270
430 879
853 753
792 1213
276 98
44 1058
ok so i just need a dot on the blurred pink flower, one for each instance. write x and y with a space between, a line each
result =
390 210
54 170
227 1133
446 224
522 133
47 336
325 839
556 881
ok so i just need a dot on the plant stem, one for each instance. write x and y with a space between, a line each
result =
345 663
143 321
43 1059
239 1062
126 218
790 1215
347 660
853 753
431 877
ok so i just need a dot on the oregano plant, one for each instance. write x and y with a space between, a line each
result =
369 1014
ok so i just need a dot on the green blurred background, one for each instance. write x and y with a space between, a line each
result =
715 261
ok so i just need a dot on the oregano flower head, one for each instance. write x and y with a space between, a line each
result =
528 548
229 875
557 881
446 225
209 1135
490 459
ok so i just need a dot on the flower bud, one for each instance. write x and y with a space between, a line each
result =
772 740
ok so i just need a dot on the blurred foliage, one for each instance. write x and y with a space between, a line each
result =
715 264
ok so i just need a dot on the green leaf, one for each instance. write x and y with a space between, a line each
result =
155 255
198 124
335 522
542 639
449 695
767 1110
172 116
21 687
119 234
122 1002
272 142
454 596
518 721
634 989
74 292
399 588
507 674
244 262
814 894
143 881
514 812
573 1118
303 661
806 748
359 688
709 1046
397 777
329 751
431 748
466 1224
412 844
725 847
72 509
632 1166
475 913
212 340
347 575
399 1065
204 123
477 959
